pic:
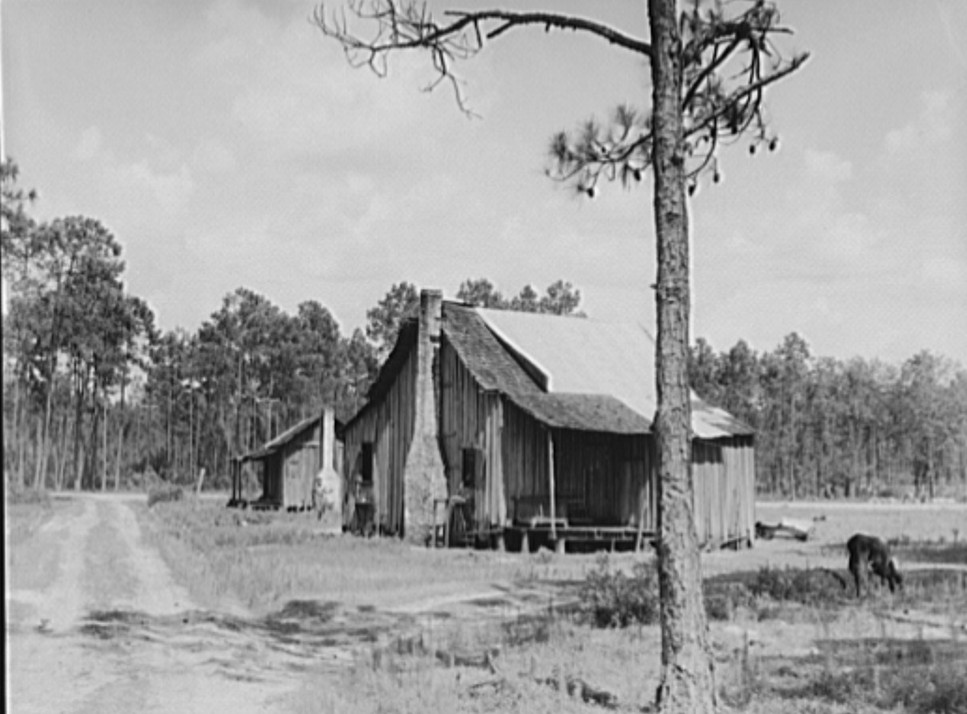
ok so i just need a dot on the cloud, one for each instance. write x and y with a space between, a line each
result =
144 196
829 232
213 156
827 166
850 236
306 101
946 273
168 191
90 144
156 179
932 126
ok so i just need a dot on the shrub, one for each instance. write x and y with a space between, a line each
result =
721 600
931 690
164 494
809 587
610 598
840 687
28 496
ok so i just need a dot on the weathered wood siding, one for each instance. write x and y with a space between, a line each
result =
301 462
723 484
525 456
637 471
387 423
271 479
603 478
471 418
288 474
738 454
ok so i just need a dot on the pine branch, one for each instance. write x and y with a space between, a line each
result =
406 26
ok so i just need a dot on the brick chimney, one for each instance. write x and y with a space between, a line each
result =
328 475
424 476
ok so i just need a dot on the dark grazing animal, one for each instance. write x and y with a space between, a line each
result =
869 554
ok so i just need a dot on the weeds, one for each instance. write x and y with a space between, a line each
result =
27 497
723 599
938 690
806 586
920 689
610 598
264 558
932 552
26 511
743 681
164 494
267 558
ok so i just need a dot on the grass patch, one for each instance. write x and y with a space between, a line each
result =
164 494
932 679
931 552
573 669
26 511
610 598
27 497
264 558
813 587
268 559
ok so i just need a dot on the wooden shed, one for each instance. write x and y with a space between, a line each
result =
533 427
292 461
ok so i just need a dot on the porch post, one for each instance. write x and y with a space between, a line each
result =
550 476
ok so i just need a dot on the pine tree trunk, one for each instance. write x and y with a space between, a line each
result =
687 677
104 449
20 429
120 451
62 449
80 396
40 471
90 475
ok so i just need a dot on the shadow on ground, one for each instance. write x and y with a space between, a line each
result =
321 635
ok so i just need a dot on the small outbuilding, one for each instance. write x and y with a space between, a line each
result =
291 463
525 428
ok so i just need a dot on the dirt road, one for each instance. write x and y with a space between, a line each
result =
96 624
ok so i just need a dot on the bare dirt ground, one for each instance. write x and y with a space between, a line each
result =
85 575
95 622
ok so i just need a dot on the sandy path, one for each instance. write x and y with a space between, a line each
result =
90 558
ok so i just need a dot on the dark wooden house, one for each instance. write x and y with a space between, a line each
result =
290 463
533 426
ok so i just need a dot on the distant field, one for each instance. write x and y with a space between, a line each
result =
909 521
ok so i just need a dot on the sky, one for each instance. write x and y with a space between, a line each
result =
227 143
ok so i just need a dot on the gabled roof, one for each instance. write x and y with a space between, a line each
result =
582 355
492 364
293 432
583 412
569 356
499 369
567 372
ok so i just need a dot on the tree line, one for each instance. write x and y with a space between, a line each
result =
96 396
829 427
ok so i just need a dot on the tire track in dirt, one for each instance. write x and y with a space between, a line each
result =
64 658
57 608
47 671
